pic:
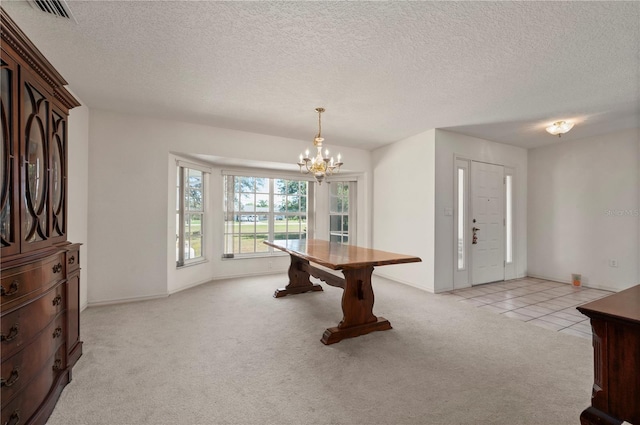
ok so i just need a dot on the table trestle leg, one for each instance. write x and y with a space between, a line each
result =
357 308
298 279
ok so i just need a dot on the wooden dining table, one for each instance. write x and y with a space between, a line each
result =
356 263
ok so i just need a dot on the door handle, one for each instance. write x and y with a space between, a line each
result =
474 241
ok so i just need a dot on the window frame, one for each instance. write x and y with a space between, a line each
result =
229 220
460 216
351 199
509 217
183 210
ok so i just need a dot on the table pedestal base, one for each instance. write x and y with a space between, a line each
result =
283 292
357 298
336 334
299 282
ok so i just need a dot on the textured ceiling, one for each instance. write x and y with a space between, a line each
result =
383 70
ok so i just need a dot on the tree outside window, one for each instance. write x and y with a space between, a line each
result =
259 209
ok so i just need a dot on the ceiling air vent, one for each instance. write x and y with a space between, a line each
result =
58 8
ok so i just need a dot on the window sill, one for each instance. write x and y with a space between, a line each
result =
255 256
194 263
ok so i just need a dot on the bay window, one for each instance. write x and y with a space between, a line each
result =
262 208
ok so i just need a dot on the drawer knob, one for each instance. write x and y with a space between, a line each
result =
14 419
13 378
72 259
57 364
57 332
13 333
57 300
57 268
13 288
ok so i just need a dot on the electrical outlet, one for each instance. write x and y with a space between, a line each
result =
613 263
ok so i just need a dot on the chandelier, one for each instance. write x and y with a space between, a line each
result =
558 128
320 166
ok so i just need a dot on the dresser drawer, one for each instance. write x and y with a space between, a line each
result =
19 369
73 258
21 283
20 326
53 270
24 404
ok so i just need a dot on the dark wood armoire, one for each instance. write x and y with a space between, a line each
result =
40 269
615 325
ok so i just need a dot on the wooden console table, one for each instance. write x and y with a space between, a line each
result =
615 322
357 266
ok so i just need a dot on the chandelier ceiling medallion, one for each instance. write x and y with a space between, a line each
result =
558 128
320 166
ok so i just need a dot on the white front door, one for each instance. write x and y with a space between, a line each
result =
487 221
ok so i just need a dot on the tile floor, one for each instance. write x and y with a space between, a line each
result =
544 303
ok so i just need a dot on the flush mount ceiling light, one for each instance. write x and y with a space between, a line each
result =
321 166
558 128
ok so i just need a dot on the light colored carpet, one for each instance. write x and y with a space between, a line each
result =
228 353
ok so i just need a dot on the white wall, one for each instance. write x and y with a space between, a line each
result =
78 190
448 146
583 210
403 220
132 255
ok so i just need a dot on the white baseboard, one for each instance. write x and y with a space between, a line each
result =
404 282
212 279
553 279
191 285
126 300
235 276
568 282
175 291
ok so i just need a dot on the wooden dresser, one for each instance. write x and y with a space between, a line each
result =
615 322
40 273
